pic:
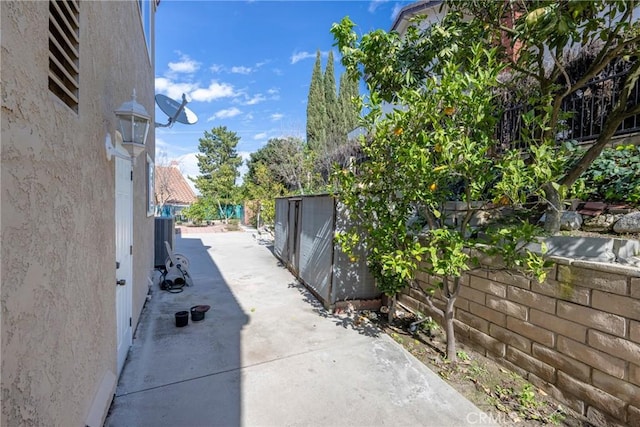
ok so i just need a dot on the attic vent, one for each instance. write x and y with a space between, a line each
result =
64 50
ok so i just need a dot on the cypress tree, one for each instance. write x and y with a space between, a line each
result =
348 109
333 119
316 108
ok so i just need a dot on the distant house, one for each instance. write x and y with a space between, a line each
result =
172 191
77 212
432 10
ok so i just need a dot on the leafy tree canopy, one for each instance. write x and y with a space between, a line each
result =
218 162
538 39
285 158
438 137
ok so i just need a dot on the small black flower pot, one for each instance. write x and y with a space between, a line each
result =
198 311
182 318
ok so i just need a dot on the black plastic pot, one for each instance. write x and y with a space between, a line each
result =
198 311
182 318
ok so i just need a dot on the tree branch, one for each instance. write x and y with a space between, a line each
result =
610 40
617 115
603 59
428 298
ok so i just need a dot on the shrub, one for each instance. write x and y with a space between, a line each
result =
233 225
613 177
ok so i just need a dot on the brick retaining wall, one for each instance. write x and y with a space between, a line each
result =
577 335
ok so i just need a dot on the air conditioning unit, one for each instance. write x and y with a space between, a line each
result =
164 231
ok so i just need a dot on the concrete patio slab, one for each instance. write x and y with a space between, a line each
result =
268 354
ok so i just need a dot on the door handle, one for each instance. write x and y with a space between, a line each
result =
121 282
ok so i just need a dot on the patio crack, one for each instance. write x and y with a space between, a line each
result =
226 371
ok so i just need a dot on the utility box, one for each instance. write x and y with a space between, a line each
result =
164 231
305 227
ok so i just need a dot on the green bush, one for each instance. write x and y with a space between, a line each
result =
233 225
196 213
613 177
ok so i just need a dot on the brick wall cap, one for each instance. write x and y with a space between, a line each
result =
561 260
625 270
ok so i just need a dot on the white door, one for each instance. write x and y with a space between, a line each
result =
124 264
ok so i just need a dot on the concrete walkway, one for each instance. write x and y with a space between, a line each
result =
268 354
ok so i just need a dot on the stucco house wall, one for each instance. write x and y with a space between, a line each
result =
58 239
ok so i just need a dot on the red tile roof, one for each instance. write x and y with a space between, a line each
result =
171 187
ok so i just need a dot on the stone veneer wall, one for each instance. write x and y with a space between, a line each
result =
577 335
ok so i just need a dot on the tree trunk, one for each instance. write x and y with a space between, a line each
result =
448 325
392 309
223 213
553 212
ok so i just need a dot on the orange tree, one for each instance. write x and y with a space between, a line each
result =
542 43
432 147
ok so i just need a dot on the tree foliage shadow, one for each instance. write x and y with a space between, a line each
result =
355 321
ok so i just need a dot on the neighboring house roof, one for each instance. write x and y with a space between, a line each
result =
420 7
171 187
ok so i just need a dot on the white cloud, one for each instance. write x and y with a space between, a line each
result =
262 135
172 89
188 164
256 99
185 65
277 71
374 5
276 116
299 56
274 94
216 68
175 90
166 150
225 114
214 91
248 117
161 144
241 70
260 64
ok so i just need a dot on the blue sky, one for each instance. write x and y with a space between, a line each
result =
247 65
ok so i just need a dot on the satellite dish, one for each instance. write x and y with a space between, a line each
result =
177 112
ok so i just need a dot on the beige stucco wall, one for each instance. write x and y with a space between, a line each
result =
57 212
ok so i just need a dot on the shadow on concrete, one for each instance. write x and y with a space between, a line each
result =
189 375
353 321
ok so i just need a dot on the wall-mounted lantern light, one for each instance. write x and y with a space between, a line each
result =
132 127
133 124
